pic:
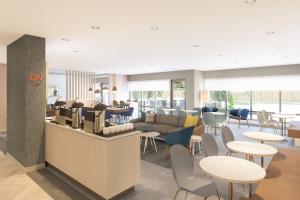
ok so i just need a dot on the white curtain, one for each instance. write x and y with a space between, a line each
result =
152 85
78 84
270 83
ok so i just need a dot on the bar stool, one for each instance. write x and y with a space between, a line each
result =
195 139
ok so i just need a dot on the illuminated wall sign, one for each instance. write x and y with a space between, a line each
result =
35 77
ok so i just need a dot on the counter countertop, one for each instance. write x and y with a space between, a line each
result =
79 131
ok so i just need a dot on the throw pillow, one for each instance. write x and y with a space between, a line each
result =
191 121
150 117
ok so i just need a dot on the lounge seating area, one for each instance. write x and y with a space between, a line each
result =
150 100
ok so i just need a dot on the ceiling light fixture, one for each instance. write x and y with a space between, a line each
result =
280 48
95 27
271 32
220 55
196 45
154 28
285 56
65 39
75 51
97 91
250 2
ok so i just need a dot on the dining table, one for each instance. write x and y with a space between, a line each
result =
283 121
233 170
117 111
190 111
251 149
263 136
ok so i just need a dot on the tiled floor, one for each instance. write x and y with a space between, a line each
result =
157 183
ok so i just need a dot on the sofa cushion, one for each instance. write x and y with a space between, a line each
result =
190 121
163 128
143 126
150 117
167 119
181 120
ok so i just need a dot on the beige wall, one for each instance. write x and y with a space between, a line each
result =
3 96
256 71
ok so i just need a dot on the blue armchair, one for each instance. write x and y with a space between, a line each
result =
182 136
239 114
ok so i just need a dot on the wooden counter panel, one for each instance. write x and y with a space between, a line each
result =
106 167
294 132
124 162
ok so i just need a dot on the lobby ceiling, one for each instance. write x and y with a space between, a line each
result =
141 36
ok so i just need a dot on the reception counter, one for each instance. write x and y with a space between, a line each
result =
107 166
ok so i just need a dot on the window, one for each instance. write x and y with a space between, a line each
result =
265 100
290 102
150 95
218 99
239 100
178 94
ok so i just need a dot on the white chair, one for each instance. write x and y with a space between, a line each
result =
268 119
265 124
183 171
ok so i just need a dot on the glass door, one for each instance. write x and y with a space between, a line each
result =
178 99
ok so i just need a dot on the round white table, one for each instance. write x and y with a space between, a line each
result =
216 114
149 135
262 136
233 170
251 149
283 118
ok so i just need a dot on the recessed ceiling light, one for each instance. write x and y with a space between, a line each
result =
220 55
196 45
249 1
154 28
95 27
271 32
285 57
235 61
75 51
65 39
151 64
280 48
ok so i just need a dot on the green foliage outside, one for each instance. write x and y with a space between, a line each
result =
220 96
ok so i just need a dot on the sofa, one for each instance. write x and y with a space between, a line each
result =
165 124
239 114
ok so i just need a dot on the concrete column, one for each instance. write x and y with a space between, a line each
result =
26 91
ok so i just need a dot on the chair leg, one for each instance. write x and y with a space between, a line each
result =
166 152
239 123
217 194
176 194
248 123
186 195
